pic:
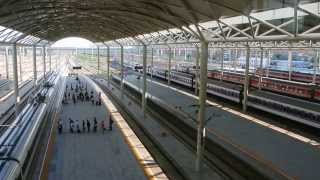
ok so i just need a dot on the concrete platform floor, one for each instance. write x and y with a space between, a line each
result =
89 155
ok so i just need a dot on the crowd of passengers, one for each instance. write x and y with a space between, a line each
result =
78 93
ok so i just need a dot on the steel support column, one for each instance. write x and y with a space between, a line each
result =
222 59
20 63
108 64
7 62
49 54
98 58
260 68
144 90
185 54
246 80
290 63
121 63
34 65
235 60
15 78
197 71
268 63
151 62
44 62
169 67
315 67
202 103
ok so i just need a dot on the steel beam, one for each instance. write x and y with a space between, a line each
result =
202 103
15 78
246 81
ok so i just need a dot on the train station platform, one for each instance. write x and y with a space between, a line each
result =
92 155
265 147
180 155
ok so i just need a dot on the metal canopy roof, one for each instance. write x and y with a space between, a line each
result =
149 21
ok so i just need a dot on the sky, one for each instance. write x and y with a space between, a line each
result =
74 42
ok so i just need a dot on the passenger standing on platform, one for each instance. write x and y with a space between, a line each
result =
110 123
95 124
83 126
78 126
103 126
60 126
92 101
71 125
88 125
74 99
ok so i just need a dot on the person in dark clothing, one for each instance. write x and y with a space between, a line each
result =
74 99
71 125
60 126
95 124
103 127
83 126
110 123
88 125
78 126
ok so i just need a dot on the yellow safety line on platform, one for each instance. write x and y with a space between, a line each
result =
146 161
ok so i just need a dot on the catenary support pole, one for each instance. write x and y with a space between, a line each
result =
144 91
246 80
169 67
34 65
290 63
197 71
44 62
7 62
15 78
202 103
